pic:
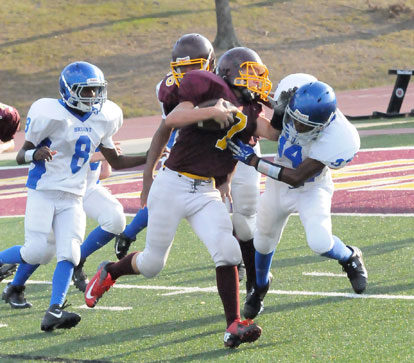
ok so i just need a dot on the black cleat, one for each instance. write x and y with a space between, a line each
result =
253 305
57 318
14 295
7 270
122 244
79 278
356 271
242 271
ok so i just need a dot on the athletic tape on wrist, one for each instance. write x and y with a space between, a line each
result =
269 169
28 155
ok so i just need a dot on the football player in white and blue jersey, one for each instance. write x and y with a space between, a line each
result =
316 137
98 204
61 136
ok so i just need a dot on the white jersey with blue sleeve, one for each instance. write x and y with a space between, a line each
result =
335 147
337 144
75 138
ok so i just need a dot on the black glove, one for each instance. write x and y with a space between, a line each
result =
280 106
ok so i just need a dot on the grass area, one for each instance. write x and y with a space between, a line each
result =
345 43
348 44
189 326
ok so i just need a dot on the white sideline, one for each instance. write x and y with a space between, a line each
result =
177 290
3 325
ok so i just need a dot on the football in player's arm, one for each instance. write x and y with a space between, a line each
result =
185 186
191 51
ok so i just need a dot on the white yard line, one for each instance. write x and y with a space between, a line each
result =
177 290
111 308
323 274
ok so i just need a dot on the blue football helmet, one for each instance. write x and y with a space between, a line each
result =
311 109
83 87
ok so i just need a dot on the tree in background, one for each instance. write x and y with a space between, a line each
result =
226 37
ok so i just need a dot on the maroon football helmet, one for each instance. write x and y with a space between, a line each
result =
192 51
242 67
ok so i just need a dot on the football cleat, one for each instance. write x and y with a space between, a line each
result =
99 284
14 295
79 278
246 331
242 271
122 244
355 270
57 318
253 305
7 270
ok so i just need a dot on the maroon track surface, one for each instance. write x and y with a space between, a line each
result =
379 181
374 188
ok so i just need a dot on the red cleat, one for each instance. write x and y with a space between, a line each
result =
246 331
99 284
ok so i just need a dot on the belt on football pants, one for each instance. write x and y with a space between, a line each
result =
199 178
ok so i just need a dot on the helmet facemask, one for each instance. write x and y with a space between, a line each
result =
309 130
183 65
85 104
255 77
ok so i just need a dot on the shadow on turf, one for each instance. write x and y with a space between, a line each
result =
29 357
214 354
138 333
386 247
368 251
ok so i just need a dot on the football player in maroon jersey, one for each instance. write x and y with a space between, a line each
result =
186 186
190 52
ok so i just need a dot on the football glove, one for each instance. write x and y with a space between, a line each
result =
241 151
279 107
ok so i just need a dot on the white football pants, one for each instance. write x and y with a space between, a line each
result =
279 201
173 197
55 210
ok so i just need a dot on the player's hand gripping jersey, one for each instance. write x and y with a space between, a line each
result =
75 138
205 153
335 147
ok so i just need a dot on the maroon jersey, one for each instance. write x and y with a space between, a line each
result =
9 122
167 93
201 152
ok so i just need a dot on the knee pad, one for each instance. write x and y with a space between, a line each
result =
319 239
228 253
70 252
244 226
149 264
38 251
264 244
113 221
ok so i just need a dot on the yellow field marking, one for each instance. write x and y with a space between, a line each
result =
380 183
13 181
372 169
